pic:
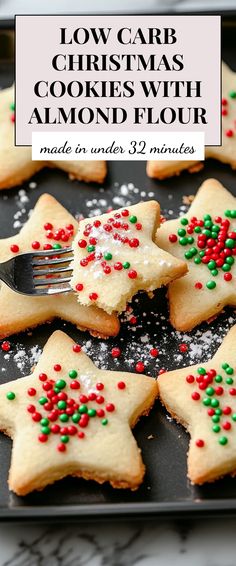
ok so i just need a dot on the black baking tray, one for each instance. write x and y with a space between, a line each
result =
166 491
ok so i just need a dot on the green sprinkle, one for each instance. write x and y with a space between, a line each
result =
57 246
226 267
83 409
230 213
76 417
230 260
216 428
193 251
197 260
61 383
188 255
190 239
230 243
211 285
44 422
62 405
181 232
210 391
56 390
202 253
225 365
43 400
211 264
234 416
206 401
92 412
183 241
45 430
126 265
207 233
214 403
64 418
215 418
214 272
65 438
232 94
208 224
201 371
218 412
197 229
223 440
229 371
12 106
207 217
133 219
229 381
73 373
10 396
107 255
90 248
104 422
184 221
218 378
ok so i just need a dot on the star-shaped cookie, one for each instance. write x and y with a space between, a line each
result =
115 256
203 399
206 238
226 152
16 165
70 418
50 225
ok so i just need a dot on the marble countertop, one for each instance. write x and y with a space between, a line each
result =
202 543
146 543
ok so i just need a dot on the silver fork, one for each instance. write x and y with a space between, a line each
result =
38 273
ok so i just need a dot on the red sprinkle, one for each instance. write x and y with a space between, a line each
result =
14 248
76 348
116 352
57 367
195 396
183 348
173 238
198 285
228 276
43 376
110 407
200 443
121 385
99 386
93 296
79 287
190 379
81 434
139 367
229 133
6 346
154 352
61 447
82 243
35 245
31 391
132 274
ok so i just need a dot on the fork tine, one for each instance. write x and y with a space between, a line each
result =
38 272
51 261
53 281
51 291
51 252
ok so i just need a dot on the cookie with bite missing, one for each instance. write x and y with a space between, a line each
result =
205 237
70 418
203 399
49 226
16 165
226 153
115 256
